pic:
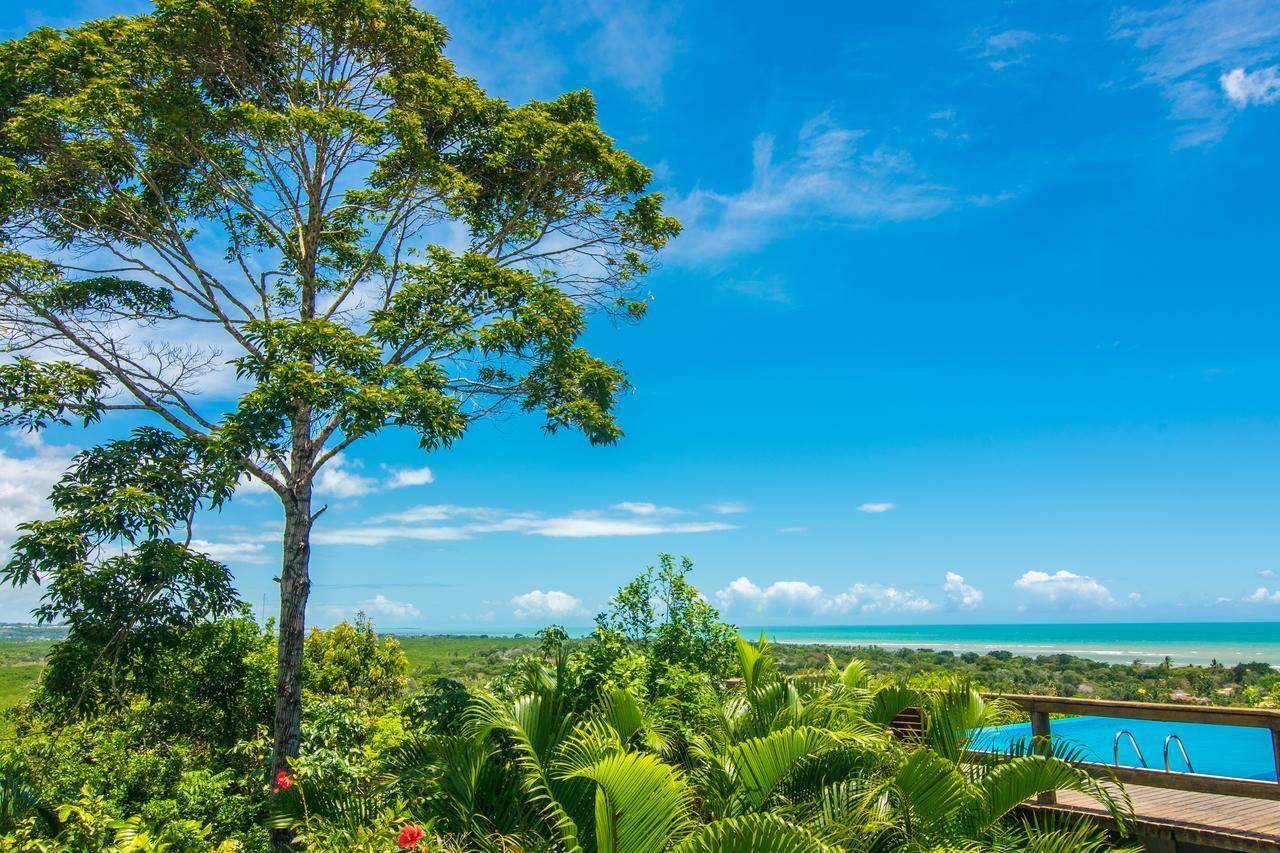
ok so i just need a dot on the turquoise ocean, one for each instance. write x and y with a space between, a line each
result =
1186 642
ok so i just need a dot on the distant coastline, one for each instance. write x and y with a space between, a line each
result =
1200 643
1187 643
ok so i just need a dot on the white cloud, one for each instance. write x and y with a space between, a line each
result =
876 507
792 529
583 526
552 603
728 507
379 605
338 479
1191 52
430 512
960 593
791 598
645 508
1267 573
1243 88
1066 588
233 552
404 477
1262 595
445 522
341 478
28 471
831 178
374 535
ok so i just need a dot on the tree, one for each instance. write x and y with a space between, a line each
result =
309 187
120 574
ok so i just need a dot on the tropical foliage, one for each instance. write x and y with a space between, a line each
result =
663 731
264 189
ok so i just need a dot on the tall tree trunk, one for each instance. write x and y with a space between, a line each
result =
295 587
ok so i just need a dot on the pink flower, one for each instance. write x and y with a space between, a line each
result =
283 781
410 836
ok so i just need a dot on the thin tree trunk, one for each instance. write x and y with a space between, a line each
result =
295 587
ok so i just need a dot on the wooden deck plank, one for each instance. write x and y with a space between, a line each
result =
1225 822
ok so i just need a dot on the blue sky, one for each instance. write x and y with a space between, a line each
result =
974 320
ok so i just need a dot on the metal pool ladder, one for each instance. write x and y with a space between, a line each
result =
1181 748
1115 747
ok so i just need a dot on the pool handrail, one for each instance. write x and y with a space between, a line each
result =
1182 748
1040 709
1115 748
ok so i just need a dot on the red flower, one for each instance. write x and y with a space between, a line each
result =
410 836
283 781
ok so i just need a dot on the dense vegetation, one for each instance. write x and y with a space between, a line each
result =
1251 684
307 194
663 730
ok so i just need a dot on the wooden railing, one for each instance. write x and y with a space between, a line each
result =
1040 707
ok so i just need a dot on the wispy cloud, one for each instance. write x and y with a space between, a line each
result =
446 522
876 507
233 552
728 507
632 45
831 177
961 594
800 598
1068 589
550 604
1007 47
1198 54
645 508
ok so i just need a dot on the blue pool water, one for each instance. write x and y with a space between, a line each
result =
1242 753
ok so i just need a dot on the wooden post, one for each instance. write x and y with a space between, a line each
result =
1275 751
1040 738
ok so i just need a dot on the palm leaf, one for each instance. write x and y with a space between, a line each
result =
1008 785
761 763
641 803
933 791
754 833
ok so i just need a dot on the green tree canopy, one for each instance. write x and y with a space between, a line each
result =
306 192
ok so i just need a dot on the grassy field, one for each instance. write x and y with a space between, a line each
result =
469 659
20 664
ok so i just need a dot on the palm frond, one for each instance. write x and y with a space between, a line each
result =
761 763
754 833
641 803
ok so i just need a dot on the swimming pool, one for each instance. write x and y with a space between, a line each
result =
1242 753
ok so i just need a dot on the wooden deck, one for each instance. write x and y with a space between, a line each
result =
1169 820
